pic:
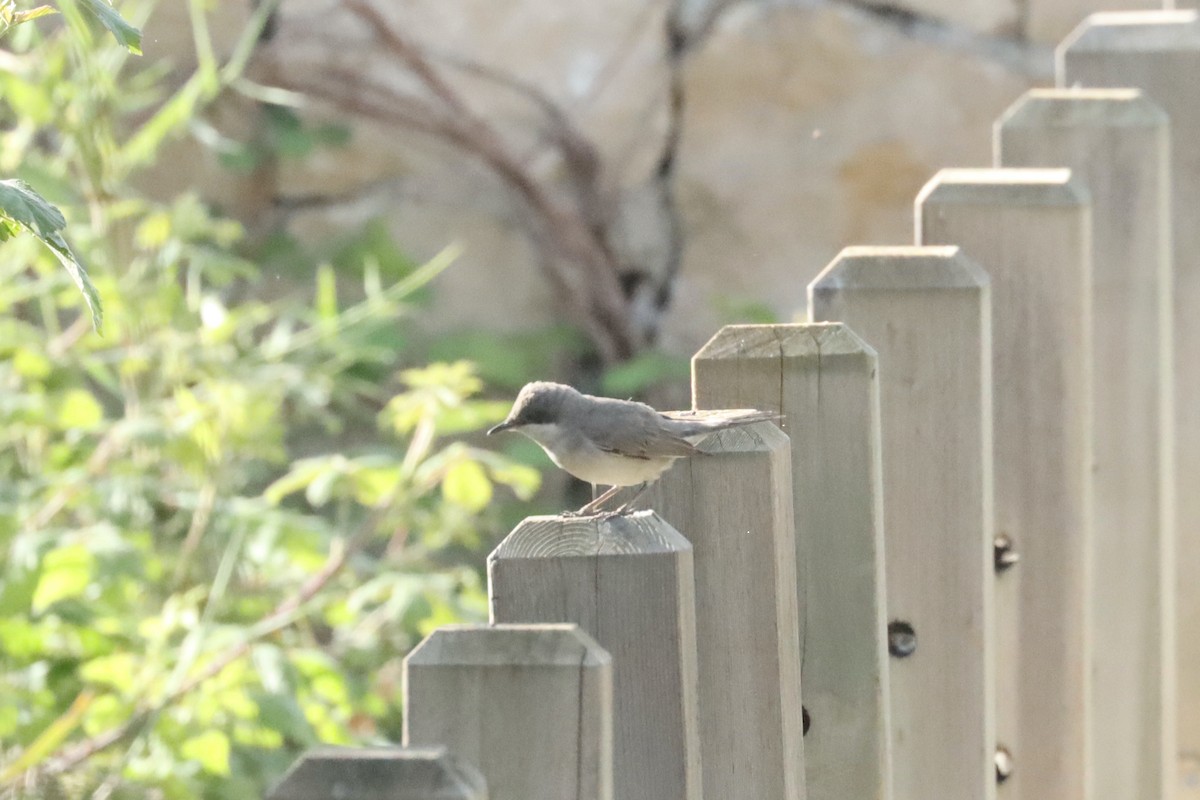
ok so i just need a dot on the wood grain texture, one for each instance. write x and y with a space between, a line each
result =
1031 230
734 505
822 379
628 582
1159 53
1116 141
529 705
926 311
380 773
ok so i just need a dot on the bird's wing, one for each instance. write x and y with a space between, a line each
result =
642 435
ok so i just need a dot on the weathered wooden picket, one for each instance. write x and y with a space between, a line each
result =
967 571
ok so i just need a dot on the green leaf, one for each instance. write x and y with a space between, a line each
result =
66 572
210 750
466 484
125 34
321 489
106 712
58 245
31 364
373 485
117 670
79 409
18 17
523 480
17 588
302 474
21 639
21 204
326 300
282 713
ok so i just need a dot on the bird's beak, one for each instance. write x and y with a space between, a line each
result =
503 426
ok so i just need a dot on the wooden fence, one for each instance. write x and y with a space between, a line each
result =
969 569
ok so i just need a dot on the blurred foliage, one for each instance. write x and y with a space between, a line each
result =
284 136
511 359
742 311
642 372
191 590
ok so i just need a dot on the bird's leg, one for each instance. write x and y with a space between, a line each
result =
594 506
627 506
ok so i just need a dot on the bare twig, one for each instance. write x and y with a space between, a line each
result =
201 516
583 267
579 155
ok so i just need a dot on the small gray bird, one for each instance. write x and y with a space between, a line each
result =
613 442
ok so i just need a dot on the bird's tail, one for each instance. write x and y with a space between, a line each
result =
692 423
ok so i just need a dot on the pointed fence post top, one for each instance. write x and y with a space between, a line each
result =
540 644
380 773
917 267
1076 107
1134 32
799 340
1006 186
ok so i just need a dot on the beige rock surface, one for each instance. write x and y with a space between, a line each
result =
1050 20
810 129
167 33
809 126
981 16
603 65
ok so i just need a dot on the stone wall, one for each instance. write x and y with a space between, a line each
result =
807 126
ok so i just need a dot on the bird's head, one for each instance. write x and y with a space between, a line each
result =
539 403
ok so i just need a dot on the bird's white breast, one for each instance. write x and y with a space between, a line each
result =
589 463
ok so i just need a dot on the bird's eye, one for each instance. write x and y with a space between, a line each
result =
535 416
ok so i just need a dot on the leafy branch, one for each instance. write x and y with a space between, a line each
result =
22 208
10 16
285 614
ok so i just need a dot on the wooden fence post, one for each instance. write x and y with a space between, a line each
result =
1031 230
628 582
822 379
530 705
1159 53
926 312
1116 141
379 773
735 506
